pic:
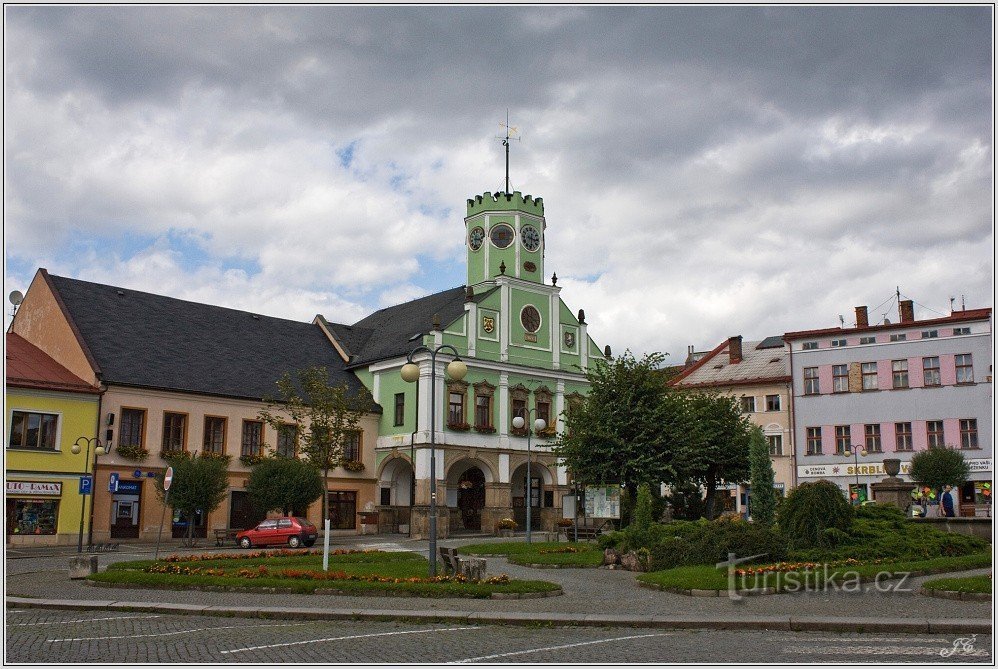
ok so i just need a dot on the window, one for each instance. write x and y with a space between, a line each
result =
930 334
399 409
33 430
961 331
214 434
810 345
32 516
132 429
252 438
748 404
899 370
483 411
968 433
519 408
814 441
543 411
934 431
811 384
351 446
899 337
840 378
930 369
867 340
842 439
772 402
174 431
343 509
455 409
964 368
869 370
872 433
775 444
287 440
838 342
902 434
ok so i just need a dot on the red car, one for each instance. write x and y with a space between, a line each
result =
292 531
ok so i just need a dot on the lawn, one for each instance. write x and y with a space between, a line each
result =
367 572
708 577
544 552
981 584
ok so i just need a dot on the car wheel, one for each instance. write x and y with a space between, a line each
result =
294 541
245 542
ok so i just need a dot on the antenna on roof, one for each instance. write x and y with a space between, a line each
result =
15 297
842 321
963 303
951 301
505 142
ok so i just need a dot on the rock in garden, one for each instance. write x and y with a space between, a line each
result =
630 561
611 556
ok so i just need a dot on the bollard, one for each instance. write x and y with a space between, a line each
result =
81 566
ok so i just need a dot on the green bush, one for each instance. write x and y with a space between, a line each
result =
811 509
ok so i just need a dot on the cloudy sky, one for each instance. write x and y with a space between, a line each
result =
706 171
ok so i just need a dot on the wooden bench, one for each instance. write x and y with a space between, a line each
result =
473 568
588 530
221 536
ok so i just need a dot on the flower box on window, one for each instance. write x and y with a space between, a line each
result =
136 453
212 455
518 431
250 460
353 465
463 427
549 431
485 429
174 454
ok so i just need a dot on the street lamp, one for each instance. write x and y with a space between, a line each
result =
855 453
100 449
456 369
539 424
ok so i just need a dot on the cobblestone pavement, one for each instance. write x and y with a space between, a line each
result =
586 591
37 635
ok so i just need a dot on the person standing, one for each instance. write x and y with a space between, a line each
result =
946 503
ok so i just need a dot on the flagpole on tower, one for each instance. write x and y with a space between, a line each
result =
505 143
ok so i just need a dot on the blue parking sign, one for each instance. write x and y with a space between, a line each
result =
112 482
86 484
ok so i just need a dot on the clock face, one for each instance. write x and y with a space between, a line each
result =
530 237
502 235
530 319
475 238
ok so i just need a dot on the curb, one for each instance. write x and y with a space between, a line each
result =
803 623
955 594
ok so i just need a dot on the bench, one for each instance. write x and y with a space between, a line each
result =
473 568
588 531
229 533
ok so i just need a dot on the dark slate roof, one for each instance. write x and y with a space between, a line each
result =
146 340
771 342
386 333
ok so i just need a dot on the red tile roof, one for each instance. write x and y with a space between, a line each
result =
956 317
30 367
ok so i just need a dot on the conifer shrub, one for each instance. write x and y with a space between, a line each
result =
809 510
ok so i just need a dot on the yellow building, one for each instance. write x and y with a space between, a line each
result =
47 409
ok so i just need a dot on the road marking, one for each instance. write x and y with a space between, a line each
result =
878 650
66 622
200 629
541 650
866 637
345 638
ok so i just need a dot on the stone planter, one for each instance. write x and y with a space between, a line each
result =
505 533
81 566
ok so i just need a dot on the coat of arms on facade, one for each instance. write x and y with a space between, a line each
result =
488 324
569 340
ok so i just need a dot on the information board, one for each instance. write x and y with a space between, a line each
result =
603 501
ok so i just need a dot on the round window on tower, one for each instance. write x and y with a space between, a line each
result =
502 235
530 319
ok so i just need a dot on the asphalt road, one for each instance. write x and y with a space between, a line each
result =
50 636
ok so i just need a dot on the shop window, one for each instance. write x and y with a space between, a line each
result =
32 516
343 509
214 434
36 431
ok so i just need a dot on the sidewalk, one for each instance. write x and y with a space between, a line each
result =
592 597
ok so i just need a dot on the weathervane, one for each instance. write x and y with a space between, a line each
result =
505 142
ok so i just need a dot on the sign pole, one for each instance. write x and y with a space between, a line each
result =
167 481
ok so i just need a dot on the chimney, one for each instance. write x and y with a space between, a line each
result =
862 319
907 311
735 349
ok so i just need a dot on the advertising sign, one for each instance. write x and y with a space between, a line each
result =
34 488
874 469
112 482
603 501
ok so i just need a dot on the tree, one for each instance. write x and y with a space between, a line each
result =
199 483
716 444
641 520
938 467
285 484
325 416
623 431
763 500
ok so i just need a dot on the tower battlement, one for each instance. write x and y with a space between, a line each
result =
514 201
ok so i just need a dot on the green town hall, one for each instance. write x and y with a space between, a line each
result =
526 353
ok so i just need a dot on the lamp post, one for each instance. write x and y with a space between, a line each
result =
539 424
855 453
456 369
100 449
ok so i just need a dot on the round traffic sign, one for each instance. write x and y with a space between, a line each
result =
168 478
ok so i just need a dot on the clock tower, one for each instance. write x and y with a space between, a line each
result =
504 234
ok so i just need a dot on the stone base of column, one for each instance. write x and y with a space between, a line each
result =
893 491
420 521
492 515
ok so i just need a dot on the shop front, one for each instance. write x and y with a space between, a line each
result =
36 514
126 510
